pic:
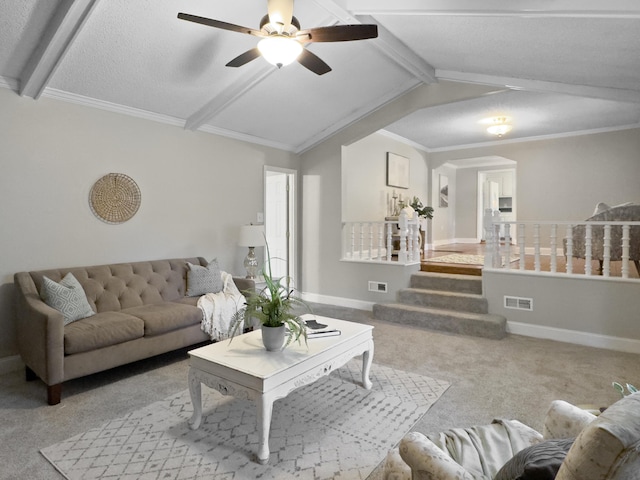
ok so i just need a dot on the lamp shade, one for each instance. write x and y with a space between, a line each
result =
251 236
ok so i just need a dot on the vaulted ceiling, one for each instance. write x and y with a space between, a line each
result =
558 68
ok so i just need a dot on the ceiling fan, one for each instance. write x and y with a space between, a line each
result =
282 39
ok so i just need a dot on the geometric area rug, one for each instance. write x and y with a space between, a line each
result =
332 428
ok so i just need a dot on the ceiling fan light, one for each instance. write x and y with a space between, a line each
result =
279 50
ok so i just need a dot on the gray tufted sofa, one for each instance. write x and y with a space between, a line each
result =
141 311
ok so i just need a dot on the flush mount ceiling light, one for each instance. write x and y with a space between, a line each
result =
498 125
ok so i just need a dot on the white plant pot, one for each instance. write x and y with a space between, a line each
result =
273 338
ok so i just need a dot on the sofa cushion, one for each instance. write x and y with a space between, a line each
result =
101 330
68 297
203 280
165 317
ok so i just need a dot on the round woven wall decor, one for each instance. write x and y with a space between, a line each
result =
115 198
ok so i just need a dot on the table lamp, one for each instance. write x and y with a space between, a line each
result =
251 236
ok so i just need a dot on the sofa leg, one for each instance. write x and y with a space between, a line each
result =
54 393
30 375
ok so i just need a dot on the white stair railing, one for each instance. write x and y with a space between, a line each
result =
540 239
389 241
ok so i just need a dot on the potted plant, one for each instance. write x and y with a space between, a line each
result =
423 213
273 308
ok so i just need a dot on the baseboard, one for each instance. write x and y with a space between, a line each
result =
10 364
338 301
619 344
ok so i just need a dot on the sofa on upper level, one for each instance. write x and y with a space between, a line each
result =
628 212
133 311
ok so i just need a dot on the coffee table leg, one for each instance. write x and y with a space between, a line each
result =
265 409
367 359
195 390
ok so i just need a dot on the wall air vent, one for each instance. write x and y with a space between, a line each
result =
518 303
380 287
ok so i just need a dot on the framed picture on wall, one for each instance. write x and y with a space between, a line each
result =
444 191
397 171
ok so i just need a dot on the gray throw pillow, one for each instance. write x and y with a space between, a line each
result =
67 297
203 280
538 462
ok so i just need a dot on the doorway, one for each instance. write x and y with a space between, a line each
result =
279 221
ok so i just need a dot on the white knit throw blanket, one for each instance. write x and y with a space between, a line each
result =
219 308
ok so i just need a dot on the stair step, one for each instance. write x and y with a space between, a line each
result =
465 302
475 324
447 281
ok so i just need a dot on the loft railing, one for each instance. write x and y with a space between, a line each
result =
581 241
394 241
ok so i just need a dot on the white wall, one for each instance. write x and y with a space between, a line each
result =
197 189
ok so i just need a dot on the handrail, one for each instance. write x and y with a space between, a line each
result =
390 241
605 241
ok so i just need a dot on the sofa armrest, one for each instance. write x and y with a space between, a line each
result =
564 420
244 284
40 332
429 462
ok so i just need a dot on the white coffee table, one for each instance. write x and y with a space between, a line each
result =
244 369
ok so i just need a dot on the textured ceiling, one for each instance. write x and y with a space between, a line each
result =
565 67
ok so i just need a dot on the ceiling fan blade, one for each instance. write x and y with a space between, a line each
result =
338 33
280 12
313 62
218 24
244 58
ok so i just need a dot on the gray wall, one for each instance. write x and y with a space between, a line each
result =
197 190
604 312
564 178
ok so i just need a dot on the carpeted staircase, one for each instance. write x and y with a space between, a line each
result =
445 302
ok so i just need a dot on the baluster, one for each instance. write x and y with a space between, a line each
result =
389 241
488 229
497 259
521 232
380 239
606 267
554 246
625 251
402 223
569 248
588 245
536 246
416 241
507 245
370 227
352 242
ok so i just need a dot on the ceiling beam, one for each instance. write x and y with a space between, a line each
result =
398 52
521 8
226 97
603 93
60 33
386 42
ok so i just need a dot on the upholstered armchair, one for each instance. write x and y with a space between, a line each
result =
606 447
603 213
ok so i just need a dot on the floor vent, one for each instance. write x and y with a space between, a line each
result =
380 287
518 303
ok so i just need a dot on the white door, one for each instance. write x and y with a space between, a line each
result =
279 221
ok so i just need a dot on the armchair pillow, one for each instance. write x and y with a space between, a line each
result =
203 280
538 462
68 297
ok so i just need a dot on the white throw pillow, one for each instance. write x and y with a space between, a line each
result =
202 280
67 297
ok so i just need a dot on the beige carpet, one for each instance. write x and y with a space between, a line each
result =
332 428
